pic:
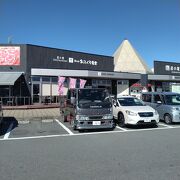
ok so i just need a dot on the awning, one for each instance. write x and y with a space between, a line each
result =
9 78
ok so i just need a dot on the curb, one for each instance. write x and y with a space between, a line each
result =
48 119
23 122
28 107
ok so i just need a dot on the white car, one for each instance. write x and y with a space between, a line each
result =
130 110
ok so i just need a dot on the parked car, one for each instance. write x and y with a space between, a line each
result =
91 108
166 103
131 110
1 114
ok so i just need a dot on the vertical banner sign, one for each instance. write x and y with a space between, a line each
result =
72 83
9 56
82 83
61 85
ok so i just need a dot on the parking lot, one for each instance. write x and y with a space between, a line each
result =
42 149
11 129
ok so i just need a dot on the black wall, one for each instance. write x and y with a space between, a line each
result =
166 68
144 79
32 56
43 57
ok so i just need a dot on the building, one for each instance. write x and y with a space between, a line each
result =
29 73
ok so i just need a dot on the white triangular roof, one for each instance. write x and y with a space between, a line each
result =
126 59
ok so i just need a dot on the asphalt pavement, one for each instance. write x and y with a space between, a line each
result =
36 144
133 155
32 114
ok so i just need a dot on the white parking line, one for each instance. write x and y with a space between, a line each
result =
6 136
121 128
90 133
165 125
64 127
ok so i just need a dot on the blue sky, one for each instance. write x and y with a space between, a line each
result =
95 26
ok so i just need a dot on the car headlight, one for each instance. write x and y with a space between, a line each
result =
131 113
175 109
155 112
82 118
108 116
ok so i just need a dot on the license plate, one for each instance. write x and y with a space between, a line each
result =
147 120
96 122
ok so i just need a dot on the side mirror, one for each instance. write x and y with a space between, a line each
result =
114 103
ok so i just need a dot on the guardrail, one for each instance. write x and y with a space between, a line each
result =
26 100
50 99
15 101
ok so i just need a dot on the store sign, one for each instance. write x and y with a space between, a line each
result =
9 56
105 74
72 60
166 68
65 59
176 77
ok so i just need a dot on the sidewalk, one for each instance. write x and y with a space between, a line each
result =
32 112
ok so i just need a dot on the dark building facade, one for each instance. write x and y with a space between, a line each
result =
19 61
29 74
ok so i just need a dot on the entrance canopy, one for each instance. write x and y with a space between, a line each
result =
9 78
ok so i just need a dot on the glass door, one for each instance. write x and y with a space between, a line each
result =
36 93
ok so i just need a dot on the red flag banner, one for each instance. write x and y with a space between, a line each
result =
82 83
9 55
61 85
72 83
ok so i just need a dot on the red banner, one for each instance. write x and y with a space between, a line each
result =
9 55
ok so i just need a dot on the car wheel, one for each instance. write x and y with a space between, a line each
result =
121 120
167 119
114 120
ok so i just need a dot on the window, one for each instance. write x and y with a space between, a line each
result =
146 97
36 78
130 102
46 90
54 90
173 99
157 98
54 79
123 82
46 79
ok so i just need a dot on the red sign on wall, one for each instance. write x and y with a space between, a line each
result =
9 55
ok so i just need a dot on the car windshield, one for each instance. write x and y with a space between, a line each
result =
93 95
130 102
172 99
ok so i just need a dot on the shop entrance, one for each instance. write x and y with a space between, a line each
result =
36 93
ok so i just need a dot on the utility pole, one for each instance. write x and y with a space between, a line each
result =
10 39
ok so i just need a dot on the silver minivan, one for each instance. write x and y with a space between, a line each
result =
167 105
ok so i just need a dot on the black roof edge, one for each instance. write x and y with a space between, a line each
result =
160 92
56 49
166 61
